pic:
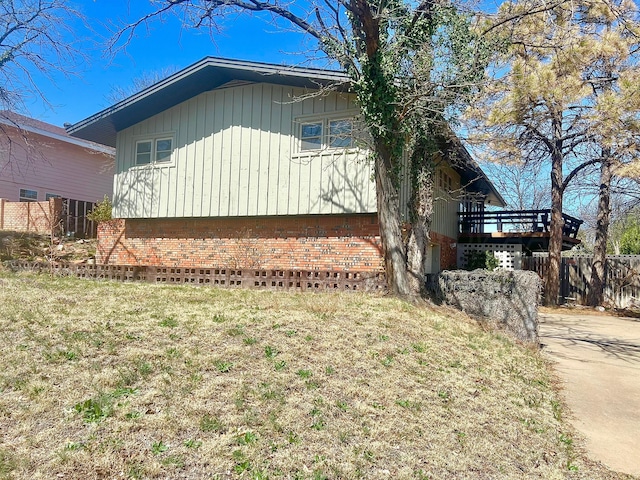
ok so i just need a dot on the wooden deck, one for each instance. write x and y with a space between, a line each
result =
529 228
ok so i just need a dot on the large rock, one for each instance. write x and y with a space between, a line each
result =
504 300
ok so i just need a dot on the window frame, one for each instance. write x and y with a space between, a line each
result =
332 137
153 152
136 153
445 181
326 137
304 138
156 151
25 198
48 196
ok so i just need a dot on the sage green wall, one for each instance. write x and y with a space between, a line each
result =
236 154
446 202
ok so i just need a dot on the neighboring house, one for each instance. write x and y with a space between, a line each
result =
232 164
39 161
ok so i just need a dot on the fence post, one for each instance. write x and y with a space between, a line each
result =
564 280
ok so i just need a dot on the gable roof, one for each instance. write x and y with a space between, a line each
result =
39 127
207 74
211 73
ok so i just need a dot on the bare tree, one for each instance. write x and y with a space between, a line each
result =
523 186
139 83
34 38
412 67
624 198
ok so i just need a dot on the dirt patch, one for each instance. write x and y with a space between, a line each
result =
41 248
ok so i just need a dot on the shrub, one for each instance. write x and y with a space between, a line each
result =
101 212
485 260
630 240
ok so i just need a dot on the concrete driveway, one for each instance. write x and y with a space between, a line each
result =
598 360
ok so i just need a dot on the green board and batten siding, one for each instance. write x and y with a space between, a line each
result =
446 204
236 154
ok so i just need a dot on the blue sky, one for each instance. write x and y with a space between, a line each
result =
163 45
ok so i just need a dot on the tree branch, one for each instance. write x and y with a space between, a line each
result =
509 19
577 170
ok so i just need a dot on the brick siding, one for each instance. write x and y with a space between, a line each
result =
448 250
34 217
323 242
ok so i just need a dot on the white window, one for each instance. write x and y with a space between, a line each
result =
164 147
28 195
154 151
143 152
311 136
341 133
51 195
326 133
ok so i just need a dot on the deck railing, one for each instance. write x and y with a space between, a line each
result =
516 221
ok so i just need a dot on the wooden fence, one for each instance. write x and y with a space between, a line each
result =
294 280
622 278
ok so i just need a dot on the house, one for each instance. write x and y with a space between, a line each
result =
233 164
39 162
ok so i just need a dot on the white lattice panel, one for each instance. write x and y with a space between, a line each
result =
510 255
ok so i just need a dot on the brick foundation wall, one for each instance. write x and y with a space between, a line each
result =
327 242
448 253
320 242
34 217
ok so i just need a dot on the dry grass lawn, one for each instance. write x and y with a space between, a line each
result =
111 380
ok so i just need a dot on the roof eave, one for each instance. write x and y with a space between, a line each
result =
474 177
207 74
63 138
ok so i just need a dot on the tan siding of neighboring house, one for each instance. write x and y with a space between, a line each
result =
236 154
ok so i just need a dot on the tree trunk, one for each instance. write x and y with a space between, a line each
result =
393 250
421 213
377 92
616 247
596 285
552 280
